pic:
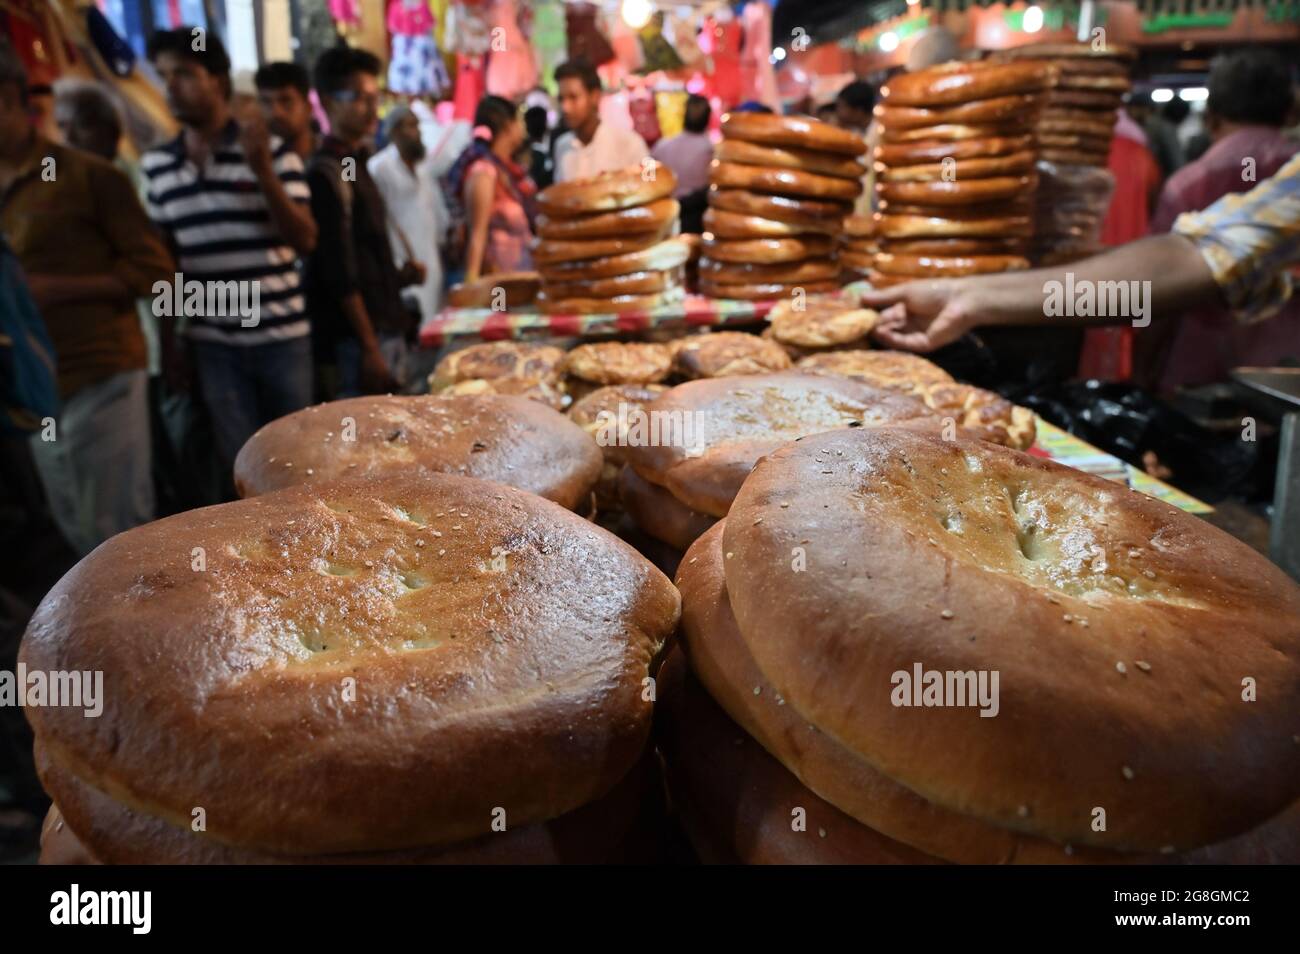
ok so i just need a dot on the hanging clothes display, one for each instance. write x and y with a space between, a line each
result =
645 121
670 111
758 77
415 66
683 33
720 39
468 35
657 51
586 42
511 67
346 14
626 44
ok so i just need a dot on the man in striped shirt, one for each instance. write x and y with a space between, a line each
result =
236 206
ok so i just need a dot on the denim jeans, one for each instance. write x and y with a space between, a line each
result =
395 351
246 386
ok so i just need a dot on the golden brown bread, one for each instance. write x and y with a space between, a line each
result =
809 271
808 160
1121 628
888 370
668 254
976 168
653 217
726 224
618 189
720 659
601 832
608 414
960 191
765 251
499 290
727 424
765 291
914 153
361 665
775 180
659 513
822 321
796 132
499 359
961 82
557 251
738 804
996 110
818 214
509 439
985 413
721 354
620 362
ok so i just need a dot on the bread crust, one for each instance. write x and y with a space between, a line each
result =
625 188
652 217
495 437
961 82
778 181
743 418
1168 750
798 132
488 672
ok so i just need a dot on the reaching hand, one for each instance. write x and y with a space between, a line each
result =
920 315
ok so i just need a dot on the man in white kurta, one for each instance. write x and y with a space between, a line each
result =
417 214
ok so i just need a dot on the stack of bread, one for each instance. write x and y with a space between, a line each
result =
858 246
1088 86
921 649
955 175
407 667
818 324
1074 133
780 189
608 244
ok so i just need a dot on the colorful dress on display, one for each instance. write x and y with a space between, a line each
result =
468 36
758 77
586 42
511 68
416 67
658 52
346 13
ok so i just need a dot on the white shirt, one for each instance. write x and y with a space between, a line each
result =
610 148
416 207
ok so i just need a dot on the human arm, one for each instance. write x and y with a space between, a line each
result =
281 179
480 189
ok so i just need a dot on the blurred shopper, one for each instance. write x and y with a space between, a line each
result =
1161 126
853 111
1249 100
88 251
591 146
234 201
688 155
284 93
352 281
87 118
417 218
1107 353
495 194
541 165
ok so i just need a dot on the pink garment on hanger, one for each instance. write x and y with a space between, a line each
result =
758 77
725 41
346 12
409 17
512 67
471 85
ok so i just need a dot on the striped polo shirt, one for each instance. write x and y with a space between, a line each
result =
223 232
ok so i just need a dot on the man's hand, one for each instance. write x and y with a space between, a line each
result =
375 376
255 140
921 315
412 273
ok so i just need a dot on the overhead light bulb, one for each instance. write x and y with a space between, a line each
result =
1033 19
1161 95
637 13
889 41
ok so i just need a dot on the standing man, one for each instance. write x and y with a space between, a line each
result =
1250 98
283 92
88 250
591 146
417 215
234 201
688 155
353 284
